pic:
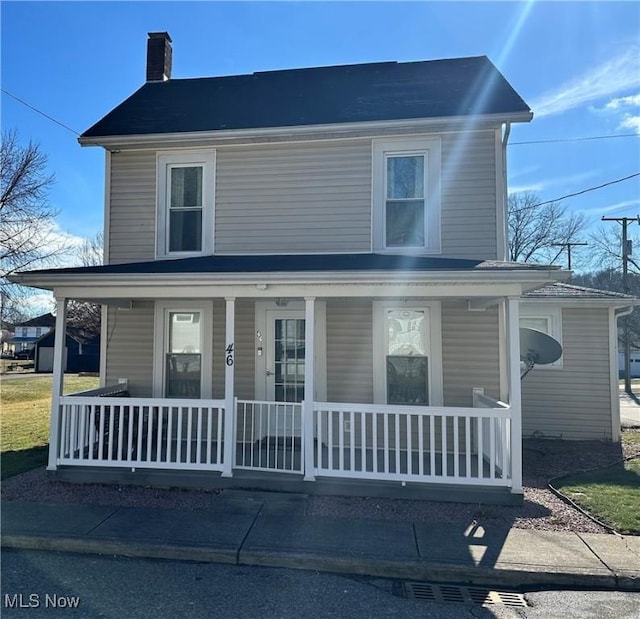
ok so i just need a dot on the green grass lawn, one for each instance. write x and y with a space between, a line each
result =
24 420
612 494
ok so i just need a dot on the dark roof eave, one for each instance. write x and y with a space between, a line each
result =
251 132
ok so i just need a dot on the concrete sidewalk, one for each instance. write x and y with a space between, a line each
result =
271 529
629 411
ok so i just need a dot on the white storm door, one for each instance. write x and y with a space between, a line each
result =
285 371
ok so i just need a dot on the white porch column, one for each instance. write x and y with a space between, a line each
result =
309 386
515 399
229 396
58 381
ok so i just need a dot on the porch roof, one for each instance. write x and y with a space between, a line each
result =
294 263
294 275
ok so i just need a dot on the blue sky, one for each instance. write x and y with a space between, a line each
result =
577 64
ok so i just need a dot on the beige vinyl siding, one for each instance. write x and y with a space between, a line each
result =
470 353
469 196
349 351
307 197
294 198
130 347
132 215
572 402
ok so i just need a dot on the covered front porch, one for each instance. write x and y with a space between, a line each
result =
408 377
441 445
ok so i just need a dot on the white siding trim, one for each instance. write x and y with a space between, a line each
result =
613 375
106 240
434 354
501 197
503 357
104 334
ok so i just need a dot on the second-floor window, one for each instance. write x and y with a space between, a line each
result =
406 195
185 203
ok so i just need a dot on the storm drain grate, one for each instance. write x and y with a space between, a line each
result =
460 594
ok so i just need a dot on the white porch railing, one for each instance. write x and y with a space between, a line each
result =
444 445
269 436
141 432
498 442
407 443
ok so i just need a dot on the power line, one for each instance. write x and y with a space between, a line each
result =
35 109
581 139
577 193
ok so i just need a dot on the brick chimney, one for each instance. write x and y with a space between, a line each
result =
158 57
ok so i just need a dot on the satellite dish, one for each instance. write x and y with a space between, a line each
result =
537 348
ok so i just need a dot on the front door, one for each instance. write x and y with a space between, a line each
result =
285 370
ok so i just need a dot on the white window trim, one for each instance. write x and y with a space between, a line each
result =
554 314
431 147
205 158
160 341
434 354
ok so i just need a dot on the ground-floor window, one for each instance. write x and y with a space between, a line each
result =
404 364
183 371
545 318
183 350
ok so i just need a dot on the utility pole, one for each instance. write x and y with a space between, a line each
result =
568 246
626 252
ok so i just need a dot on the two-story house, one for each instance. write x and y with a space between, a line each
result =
305 287
27 333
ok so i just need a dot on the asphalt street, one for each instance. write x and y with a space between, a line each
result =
50 584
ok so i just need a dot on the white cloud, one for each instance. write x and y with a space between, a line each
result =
618 102
534 187
631 122
601 210
605 80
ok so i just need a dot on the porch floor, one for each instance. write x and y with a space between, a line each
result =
286 482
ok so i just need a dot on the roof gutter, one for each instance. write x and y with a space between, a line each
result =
293 131
505 207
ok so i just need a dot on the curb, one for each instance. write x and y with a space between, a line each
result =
508 576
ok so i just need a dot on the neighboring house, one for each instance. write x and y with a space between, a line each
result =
634 362
27 333
81 354
305 287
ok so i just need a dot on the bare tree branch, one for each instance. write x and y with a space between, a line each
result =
28 236
537 230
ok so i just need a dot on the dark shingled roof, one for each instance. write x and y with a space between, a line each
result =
569 291
46 320
315 96
296 263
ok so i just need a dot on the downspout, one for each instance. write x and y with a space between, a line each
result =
505 140
614 316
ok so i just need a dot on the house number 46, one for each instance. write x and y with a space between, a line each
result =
229 351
